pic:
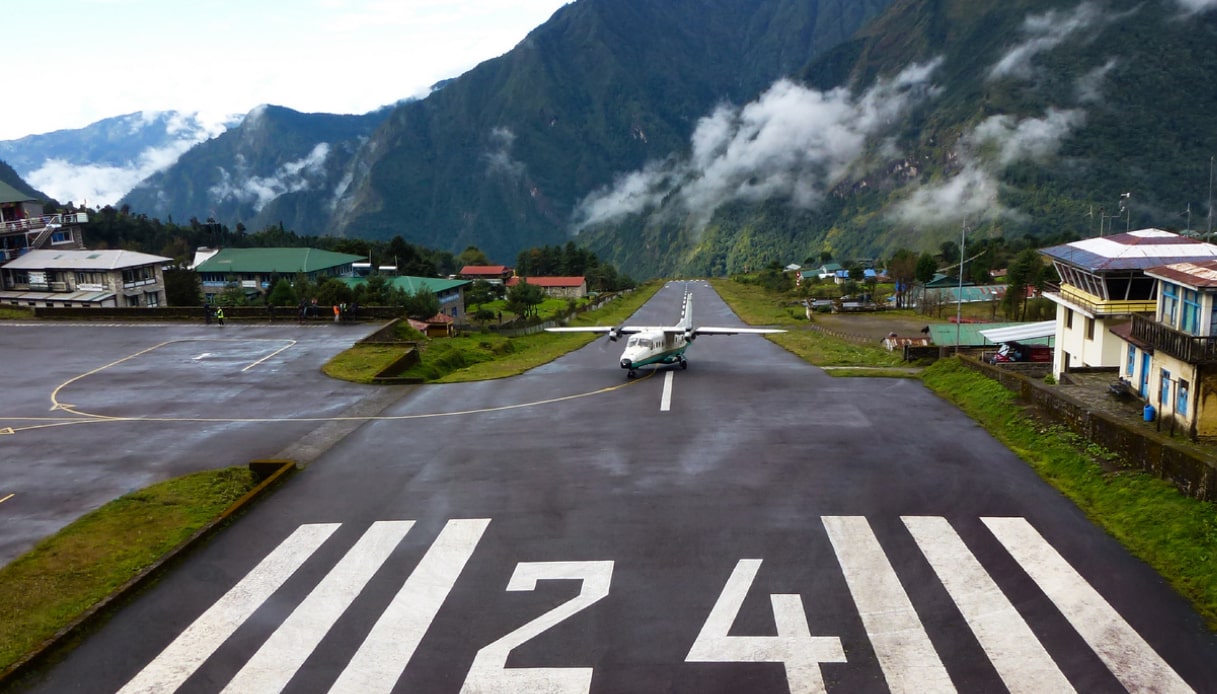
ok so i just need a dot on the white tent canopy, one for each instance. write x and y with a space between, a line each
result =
1026 331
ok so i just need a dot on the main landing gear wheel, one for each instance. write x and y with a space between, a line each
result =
631 373
684 363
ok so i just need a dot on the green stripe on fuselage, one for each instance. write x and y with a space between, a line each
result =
663 358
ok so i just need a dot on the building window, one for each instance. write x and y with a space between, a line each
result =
1069 319
1181 396
1132 362
1189 319
1170 302
1089 328
61 236
133 301
152 299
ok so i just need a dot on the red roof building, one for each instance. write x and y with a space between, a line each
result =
495 274
567 287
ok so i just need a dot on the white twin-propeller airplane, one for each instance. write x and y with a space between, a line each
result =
660 345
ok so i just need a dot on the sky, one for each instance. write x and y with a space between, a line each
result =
84 60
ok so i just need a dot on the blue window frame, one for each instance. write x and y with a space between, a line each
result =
1170 303
1181 397
1189 319
1131 365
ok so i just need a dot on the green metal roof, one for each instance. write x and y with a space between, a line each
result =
411 285
969 334
285 261
11 194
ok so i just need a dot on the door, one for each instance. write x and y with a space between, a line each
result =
1145 363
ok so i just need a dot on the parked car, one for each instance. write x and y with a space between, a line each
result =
1016 351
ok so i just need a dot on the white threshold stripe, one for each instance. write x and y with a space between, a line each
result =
908 658
274 664
665 403
1018 656
1133 661
384 654
193 646
1126 654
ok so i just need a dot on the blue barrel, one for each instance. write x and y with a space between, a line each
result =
1149 413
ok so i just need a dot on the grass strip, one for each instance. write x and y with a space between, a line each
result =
757 306
485 356
1173 533
64 575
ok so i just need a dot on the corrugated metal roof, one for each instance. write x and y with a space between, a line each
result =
83 260
435 285
285 261
81 297
1021 332
548 281
1134 250
1198 274
970 333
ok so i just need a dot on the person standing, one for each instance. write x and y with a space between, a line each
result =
220 315
206 313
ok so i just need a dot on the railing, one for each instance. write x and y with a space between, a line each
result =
1192 349
1104 308
36 223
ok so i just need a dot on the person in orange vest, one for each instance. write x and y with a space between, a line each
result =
336 314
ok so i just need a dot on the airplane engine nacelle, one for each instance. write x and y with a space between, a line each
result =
613 335
689 335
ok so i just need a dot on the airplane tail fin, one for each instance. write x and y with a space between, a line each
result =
686 313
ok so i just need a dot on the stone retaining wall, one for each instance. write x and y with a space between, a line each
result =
1192 474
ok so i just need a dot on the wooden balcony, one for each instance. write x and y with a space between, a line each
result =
1101 308
1192 349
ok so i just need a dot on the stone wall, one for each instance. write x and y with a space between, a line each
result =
1192 473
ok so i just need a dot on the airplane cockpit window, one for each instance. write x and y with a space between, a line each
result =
632 342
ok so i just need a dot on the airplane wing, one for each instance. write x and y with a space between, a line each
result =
735 331
622 330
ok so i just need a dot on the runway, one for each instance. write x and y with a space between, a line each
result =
748 525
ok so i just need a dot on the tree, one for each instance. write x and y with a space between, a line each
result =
472 255
524 298
902 269
422 304
282 294
480 292
182 287
926 268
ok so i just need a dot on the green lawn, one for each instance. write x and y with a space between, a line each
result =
51 585
482 356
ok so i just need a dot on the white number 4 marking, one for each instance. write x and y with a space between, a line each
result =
794 646
490 674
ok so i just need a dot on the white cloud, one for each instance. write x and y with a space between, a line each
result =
1196 6
1045 32
1090 86
972 194
499 158
291 177
99 185
793 142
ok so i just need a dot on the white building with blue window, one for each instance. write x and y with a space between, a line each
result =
1170 355
1104 287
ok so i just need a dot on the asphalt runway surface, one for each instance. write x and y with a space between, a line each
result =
748 525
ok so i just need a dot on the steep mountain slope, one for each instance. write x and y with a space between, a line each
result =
500 156
1005 118
705 136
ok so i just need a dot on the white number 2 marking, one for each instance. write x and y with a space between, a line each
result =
794 646
490 674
